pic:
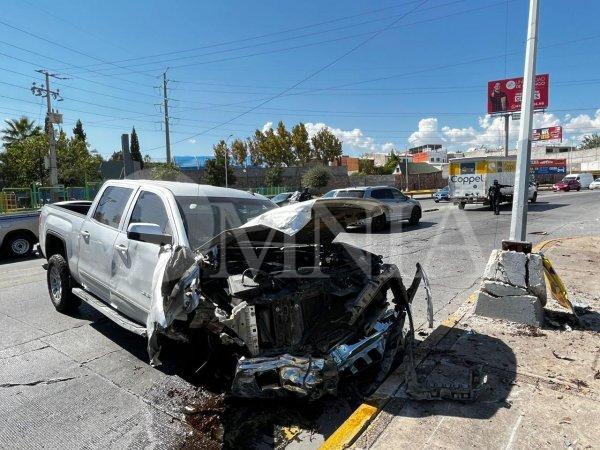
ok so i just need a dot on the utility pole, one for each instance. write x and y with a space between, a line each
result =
506 116
166 111
518 221
51 118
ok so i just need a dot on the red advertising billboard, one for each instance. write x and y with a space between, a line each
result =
504 96
546 134
547 166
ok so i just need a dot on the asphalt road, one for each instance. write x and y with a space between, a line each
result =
78 380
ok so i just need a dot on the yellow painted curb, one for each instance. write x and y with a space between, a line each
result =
360 419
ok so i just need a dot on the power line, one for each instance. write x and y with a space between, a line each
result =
300 46
313 74
235 41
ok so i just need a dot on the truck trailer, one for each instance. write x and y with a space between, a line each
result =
470 179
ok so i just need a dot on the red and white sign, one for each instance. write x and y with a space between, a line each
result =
504 96
549 162
547 134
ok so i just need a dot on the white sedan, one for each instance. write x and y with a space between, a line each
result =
595 184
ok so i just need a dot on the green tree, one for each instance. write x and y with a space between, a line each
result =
136 154
116 156
274 176
239 151
300 144
78 131
254 148
214 169
590 141
326 145
284 151
165 171
76 164
19 129
22 162
316 177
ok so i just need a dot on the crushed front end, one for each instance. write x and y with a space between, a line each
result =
294 316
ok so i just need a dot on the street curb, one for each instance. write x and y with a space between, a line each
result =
347 433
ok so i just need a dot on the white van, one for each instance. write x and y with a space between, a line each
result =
585 179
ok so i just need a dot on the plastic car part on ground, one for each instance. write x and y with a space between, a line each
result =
291 328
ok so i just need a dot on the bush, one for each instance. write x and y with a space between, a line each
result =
165 172
274 176
316 177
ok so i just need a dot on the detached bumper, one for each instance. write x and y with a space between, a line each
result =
305 376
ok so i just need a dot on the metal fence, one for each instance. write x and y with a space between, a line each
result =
21 199
272 190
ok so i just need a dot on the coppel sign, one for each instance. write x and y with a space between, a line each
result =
466 179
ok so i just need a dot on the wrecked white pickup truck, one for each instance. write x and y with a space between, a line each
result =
266 290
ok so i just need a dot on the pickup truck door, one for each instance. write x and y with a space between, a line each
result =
134 261
97 237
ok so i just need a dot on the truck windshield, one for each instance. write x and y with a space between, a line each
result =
205 217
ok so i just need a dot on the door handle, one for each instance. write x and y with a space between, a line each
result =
85 234
121 247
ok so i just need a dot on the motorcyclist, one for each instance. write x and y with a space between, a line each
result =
495 195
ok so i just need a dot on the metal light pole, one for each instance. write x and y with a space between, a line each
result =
518 222
226 157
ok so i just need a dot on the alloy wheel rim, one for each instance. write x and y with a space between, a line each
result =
55 284
20 246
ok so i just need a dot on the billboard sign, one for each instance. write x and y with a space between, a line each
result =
546 134
546 166
504 96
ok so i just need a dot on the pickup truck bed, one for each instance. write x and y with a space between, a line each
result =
18 233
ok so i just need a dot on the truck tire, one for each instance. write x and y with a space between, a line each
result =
379 223
59 284
415 216
461 205
534 198
19 245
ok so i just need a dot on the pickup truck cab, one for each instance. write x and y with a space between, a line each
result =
110 247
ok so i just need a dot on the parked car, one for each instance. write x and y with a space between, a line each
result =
585 179
568 183
282 199
595 184
442 195
263 293
399 206
18 234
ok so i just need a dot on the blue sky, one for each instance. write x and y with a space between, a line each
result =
423 80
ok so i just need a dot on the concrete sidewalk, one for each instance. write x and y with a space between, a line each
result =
543 386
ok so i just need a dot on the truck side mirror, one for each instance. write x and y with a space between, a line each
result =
148 232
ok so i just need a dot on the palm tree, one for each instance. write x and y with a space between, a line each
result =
17 130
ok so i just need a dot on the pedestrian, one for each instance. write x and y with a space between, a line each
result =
495 196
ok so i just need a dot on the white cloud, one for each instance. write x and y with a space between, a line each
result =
489 131
267 126
351 139
192 141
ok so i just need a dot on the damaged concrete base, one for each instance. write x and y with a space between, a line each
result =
513 288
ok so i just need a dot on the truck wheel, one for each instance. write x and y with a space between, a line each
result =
461 205
19 245
534 198
59 284
415 216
